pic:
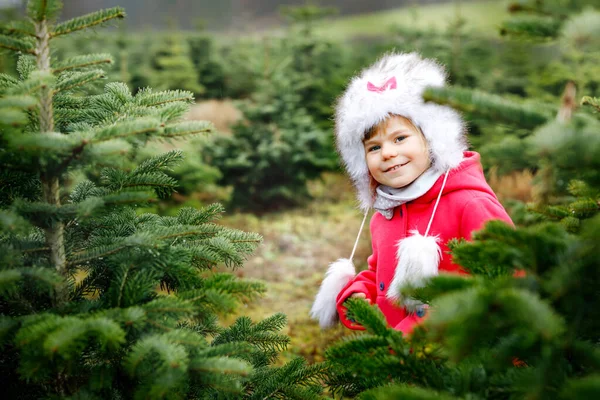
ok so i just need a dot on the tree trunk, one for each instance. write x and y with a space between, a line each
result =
50 184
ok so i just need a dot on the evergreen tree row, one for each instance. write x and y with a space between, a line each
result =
98 299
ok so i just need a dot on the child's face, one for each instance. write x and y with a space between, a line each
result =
397 153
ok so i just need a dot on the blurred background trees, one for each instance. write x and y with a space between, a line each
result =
226 14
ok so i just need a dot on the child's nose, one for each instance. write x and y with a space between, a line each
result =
388 151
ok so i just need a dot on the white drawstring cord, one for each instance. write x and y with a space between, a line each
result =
428 225
436 203
358 236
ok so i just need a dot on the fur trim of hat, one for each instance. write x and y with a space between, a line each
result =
394 85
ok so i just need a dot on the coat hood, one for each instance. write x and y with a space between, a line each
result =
394 85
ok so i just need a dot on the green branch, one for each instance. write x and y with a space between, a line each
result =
38 80
39 10
528 115
94 255
87 60
150 184
23 28
21 102
125 129
591 101
20 45
7 81
188 128
78 79
74 153
87 21
147 98
181 234
531 26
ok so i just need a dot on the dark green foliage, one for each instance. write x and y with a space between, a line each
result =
492 106
478 325
541 18
381 356
279 147
568 179
195 176
98 299
531 25
209 68
269 159
585 204
294 380
323 66
171 66
500 251
509 154
403 392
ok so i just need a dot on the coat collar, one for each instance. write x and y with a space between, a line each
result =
467 175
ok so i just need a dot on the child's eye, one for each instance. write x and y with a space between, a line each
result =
373 148
400 138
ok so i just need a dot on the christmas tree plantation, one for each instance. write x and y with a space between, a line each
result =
280 146
97 299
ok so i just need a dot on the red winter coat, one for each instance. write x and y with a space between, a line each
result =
467 202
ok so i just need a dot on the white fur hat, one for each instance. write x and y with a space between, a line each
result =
394 85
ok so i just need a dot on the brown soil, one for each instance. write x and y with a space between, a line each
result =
222 113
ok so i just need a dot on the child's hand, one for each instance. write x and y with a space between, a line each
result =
358 296
349 315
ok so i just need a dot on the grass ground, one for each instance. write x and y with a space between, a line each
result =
298 246
480 16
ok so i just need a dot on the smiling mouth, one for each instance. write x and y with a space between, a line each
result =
395 167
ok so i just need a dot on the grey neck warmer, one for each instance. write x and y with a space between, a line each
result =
388 198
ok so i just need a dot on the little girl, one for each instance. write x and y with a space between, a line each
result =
408 161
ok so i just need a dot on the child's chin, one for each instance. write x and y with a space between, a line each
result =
399 184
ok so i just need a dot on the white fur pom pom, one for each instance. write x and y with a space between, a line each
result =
324 308
418 259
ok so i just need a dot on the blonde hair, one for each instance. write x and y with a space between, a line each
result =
372 131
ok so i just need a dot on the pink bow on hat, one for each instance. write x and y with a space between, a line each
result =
388 85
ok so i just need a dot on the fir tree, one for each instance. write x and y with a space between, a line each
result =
208 65
271 156
541 18
171 66
97 299
281 144
278 147
321 64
